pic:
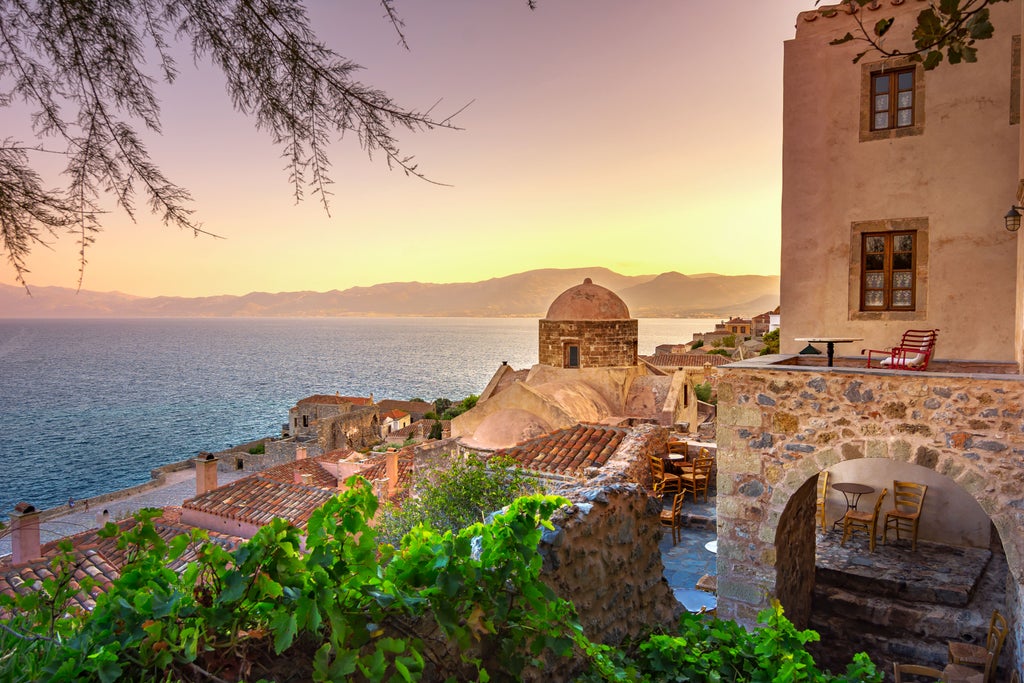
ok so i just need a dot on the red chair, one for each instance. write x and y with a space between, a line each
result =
914 352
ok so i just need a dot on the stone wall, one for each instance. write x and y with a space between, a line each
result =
357 428
276 452
603 555
778 426
602 343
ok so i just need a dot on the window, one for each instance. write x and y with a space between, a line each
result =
892 99
572 356
887 271
305 420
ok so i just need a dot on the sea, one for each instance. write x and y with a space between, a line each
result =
91 406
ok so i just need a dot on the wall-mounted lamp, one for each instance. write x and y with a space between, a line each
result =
1012 218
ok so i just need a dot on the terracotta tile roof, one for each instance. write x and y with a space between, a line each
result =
335 399
568 451
686 360
320 476
256 500
394 414
377 468
24 578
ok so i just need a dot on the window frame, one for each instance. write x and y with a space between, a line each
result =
893 91
888 270
892 66
918 225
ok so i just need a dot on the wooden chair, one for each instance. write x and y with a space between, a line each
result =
907 498
987 655
697 479
664 482
900 671
855 520
953 673
822 491
674 517
914 352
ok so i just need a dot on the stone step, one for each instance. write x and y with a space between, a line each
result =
938 574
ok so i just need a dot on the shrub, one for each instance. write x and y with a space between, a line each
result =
771 342
697 344
436 430
258 449
451 498
703 392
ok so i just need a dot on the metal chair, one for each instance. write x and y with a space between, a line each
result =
855 520
907 498
914 352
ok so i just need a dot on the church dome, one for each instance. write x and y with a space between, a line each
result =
588 302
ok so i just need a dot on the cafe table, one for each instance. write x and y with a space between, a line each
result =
830 343
852 492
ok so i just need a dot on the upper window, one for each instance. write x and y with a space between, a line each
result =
892 99
887 273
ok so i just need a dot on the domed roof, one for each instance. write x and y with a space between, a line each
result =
588 302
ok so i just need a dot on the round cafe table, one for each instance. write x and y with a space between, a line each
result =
852 492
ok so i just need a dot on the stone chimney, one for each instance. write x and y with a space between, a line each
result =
24 534
102 518
307 479
391 467
300 453
206 473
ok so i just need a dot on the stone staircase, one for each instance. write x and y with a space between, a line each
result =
899 605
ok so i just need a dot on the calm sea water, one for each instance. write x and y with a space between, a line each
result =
90 406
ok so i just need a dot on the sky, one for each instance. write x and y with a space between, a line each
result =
643 136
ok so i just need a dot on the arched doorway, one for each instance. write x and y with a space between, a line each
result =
896 604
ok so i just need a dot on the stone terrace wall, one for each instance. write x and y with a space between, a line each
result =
603 555
779 426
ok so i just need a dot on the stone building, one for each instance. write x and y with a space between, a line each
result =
304 415
895 181
588 372
588 326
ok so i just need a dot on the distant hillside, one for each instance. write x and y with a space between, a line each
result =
522 295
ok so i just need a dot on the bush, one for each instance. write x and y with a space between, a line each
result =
459 408
697 344
258 449
771 342
703 392
721 352
436 430
451 498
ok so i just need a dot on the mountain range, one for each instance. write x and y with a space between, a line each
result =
528 294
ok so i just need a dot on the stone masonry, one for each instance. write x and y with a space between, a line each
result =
779 425
602 343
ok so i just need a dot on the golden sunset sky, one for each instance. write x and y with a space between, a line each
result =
639 135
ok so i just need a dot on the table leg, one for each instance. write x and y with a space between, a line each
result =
831 352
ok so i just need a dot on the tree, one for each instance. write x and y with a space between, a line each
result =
950 25
80 67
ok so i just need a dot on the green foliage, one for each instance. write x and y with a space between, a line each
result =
436 430
697 344
258 449
454 410
721 352
952 26
453 497
771 342
338 609
703 392
706 649
772 652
